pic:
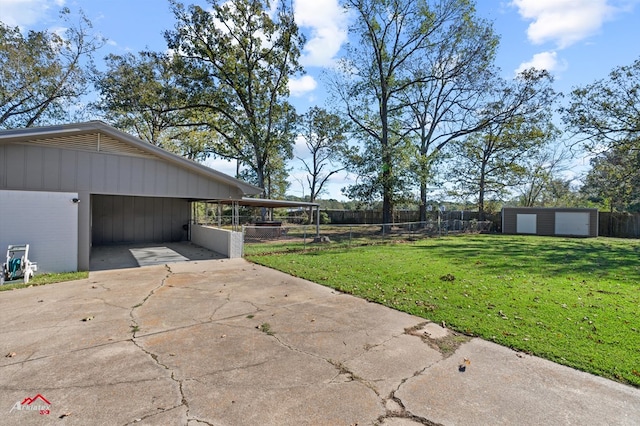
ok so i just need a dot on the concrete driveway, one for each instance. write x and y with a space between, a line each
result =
226 342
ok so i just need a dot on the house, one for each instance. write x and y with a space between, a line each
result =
66 188
573 222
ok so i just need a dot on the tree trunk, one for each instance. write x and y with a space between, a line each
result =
387 185
481 216
423 202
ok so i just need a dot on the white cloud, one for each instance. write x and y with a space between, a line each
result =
302 85
227 167
25 13
564 22
300 149
325 23
544 61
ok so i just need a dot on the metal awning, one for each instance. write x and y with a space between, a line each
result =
268 203
263 202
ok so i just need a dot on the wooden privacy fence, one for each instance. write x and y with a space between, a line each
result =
340 217
620 225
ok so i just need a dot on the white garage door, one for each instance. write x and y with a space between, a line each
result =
47 221
526 223
572 223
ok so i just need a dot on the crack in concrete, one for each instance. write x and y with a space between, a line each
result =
153 356
148 416
342 370
404 414
447 345
199 421
65 353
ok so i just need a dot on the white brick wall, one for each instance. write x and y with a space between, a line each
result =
47 221
227 243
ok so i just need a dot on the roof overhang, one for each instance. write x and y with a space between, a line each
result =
30 133
263 202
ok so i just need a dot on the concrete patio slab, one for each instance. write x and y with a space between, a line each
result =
227 342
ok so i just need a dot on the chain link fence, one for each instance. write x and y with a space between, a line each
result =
270 238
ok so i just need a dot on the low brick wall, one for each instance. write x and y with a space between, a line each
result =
227 243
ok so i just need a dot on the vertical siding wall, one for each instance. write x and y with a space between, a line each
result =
120 219
545 219
42 168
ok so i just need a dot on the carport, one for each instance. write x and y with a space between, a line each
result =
64 189
264 203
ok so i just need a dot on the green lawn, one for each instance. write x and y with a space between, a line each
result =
573 301
43 279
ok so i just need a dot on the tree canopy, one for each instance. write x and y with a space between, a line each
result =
325 138
416 97
397 46
142 94
497 158
43 74
614 180
239 56
606 113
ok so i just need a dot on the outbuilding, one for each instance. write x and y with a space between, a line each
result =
570 222
65 188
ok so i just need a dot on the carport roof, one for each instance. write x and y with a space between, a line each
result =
263 202
31 133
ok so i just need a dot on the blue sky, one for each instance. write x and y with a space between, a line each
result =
578 41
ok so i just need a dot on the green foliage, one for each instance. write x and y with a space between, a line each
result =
501 155
614 180
409 83
324 135
43 75
238 57
324 218
453 78
392 43
543 186
142 95
573 301
43 279
605 112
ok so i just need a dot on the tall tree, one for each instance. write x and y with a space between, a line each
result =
324 135
139 94
240 55
614 181
44 74
142 94
543 184
497 158
452 82
607 112
392 39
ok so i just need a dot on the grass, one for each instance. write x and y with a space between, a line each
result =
265 327
573 301
43 279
